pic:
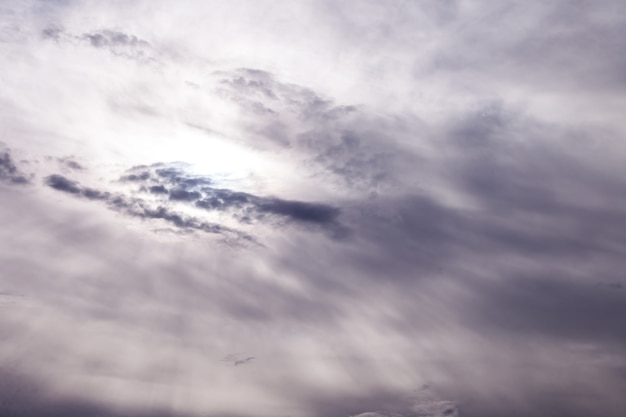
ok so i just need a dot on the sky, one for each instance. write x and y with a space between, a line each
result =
312 208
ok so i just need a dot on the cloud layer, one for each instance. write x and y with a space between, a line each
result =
407 209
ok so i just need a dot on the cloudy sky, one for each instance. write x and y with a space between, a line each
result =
312 208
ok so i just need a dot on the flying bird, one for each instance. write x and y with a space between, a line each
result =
243 361
236 359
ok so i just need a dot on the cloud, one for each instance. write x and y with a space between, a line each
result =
8 170
183 195
110 38
413 194
201 192
25 396
195 191
117 43
139 208
60 183
339 142
69 163
300 211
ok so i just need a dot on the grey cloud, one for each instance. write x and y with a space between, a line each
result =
355 405
552 46
530 206
53 32
136 207
251 206
253 82
23 395
528 225
184 195
158 189
110 38
552 307
136 177
195 190
117 43
342 141
177 219
72 164
350 157
423 403
223 199
178 177
256 89
61 183
200 192
120 44
67 163
300 211
491 258
8 170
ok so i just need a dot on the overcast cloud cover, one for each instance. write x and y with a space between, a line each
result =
401 208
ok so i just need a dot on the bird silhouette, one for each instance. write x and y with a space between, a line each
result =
236 359
243 361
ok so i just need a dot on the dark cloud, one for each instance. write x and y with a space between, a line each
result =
184 195
178 177
224 199
196 191
8 170
23 395
158 189
60 183
183 222
136 207
136 177
552 307
201 193
300 211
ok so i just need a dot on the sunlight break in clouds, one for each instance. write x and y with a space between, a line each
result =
312 208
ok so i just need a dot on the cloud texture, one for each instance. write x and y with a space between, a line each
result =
312 208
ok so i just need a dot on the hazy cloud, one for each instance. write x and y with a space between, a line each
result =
400 209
